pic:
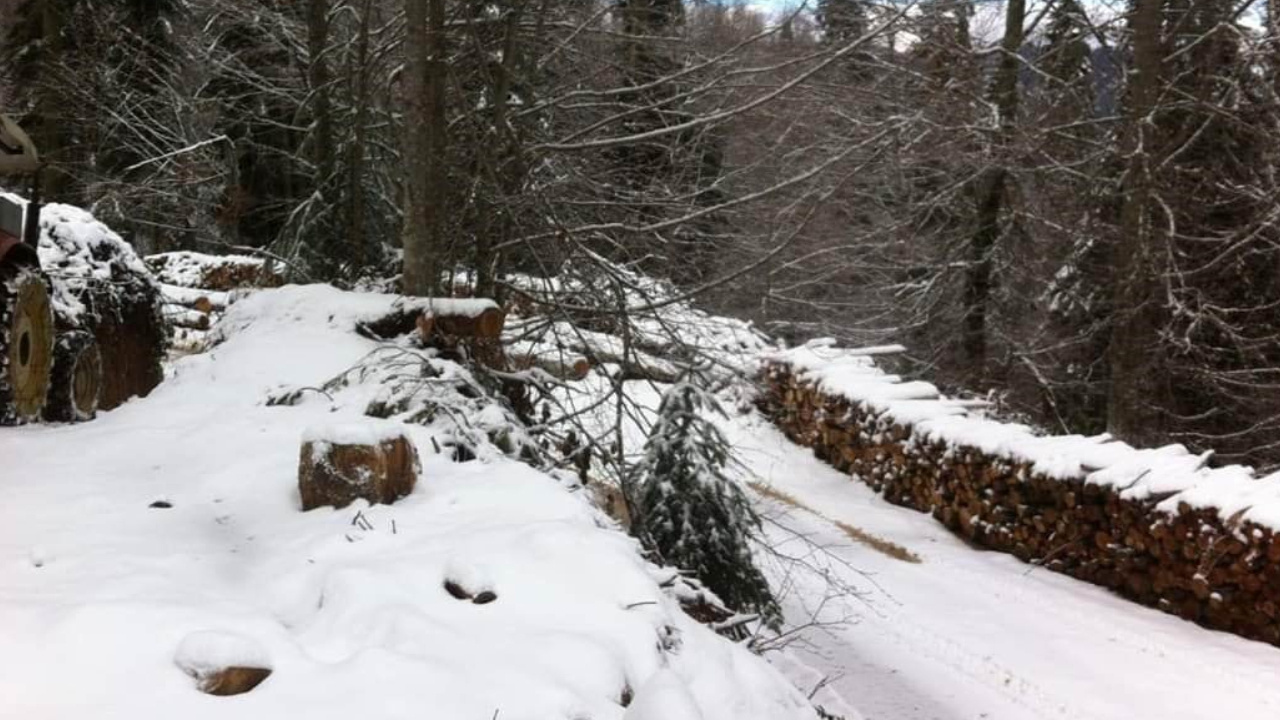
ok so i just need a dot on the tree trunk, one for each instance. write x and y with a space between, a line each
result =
1132 400
424 127
320 81
991 193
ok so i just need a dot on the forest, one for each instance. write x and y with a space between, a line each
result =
1069 208
640 359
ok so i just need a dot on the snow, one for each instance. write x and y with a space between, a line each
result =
966 634
1171 473
458 307
663 697
207 651
362 432
104 600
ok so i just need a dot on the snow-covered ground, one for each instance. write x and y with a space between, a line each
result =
971 634
166 537
107 604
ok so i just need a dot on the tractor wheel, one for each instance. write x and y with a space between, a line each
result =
26 343
75 383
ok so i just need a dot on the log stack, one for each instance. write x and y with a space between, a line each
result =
102 289
219 273
1220 572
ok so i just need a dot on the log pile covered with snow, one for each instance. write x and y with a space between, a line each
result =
106 300
1159 526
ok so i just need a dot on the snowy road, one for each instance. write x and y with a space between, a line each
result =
973 634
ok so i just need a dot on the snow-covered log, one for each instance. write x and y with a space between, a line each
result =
452 318
554 361
26 343
602 348
102 287
342 463
213 272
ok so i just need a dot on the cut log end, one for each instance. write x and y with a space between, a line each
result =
26 344
233 680
336 467
487 325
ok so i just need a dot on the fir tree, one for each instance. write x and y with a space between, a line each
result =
688 513
842 21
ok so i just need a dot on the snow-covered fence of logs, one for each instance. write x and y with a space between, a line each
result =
1159 526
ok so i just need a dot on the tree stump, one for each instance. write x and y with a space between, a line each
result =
223 663
26 343
76 381
341 463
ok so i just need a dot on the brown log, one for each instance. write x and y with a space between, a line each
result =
333 470
562 367
486 325
233 680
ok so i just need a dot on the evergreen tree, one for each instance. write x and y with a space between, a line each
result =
1193 343
842 21
688 513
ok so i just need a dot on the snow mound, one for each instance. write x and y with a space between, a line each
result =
663 697
350 606
207 651
1171 474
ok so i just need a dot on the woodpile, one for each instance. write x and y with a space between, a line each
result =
127 323
101 287
341 464
1221 572
26 343
219 273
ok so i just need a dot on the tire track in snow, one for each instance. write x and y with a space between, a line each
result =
1243 679
897 625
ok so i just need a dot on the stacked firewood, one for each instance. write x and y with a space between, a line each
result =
1221 572
197 289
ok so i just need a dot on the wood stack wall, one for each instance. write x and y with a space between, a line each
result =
1220 572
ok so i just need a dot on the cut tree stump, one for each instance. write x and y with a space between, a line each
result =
461 319
223 663
26 343
233 680
342 463
75 384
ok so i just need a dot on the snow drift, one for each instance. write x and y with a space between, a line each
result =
177 517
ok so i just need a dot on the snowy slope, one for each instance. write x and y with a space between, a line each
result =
104 600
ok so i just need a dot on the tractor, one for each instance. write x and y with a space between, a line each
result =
27 332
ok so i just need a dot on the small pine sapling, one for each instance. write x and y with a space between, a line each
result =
688 513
